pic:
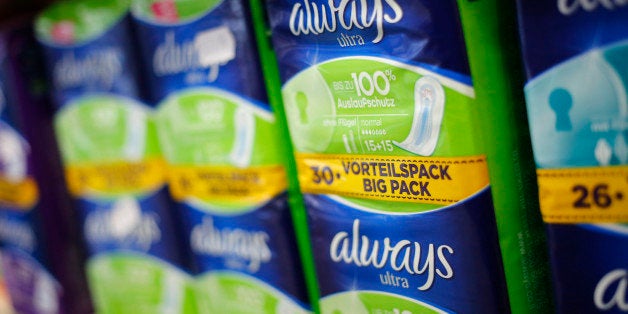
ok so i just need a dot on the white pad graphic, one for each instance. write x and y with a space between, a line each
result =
244 122
429 107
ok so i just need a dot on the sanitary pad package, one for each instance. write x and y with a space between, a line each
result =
39 240
383 118
490 28
226 159
576 57
113 165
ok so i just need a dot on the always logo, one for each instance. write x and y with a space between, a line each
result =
100 67
124 224
208 49
569 7
612 291
310 17
412 257
251 246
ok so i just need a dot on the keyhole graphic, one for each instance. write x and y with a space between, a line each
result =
302 103
561 102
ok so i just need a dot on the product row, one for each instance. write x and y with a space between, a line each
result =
326 156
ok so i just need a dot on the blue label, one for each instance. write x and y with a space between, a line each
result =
103 64
369 28
216 49
420 256
590 270
259 243
140 224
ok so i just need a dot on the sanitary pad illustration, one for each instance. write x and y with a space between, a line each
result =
570 105
429 107
308 102
244 122
173 295
13 165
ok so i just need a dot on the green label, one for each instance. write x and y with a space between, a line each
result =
374 303
211 136
363 105
138 284
242 294
105 128
209 126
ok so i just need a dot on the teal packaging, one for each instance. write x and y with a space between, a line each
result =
220 139
490 29
113 164
382 115
576 61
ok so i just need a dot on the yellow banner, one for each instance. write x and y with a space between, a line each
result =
431 180
248 185
22 195
116 177
584 195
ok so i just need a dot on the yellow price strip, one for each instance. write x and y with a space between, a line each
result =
584 195
215 183
431 180
115 177
21 195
